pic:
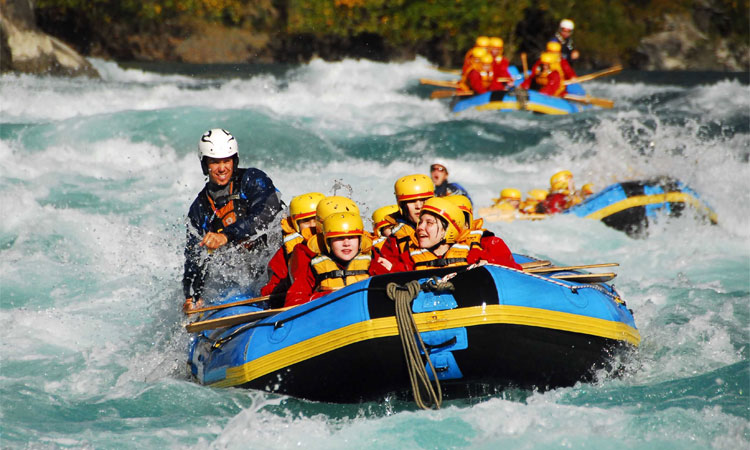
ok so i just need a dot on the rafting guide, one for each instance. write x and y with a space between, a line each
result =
228 221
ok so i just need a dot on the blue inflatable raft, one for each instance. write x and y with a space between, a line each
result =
533 101
498 327
631 205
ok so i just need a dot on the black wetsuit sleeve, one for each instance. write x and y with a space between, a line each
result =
263 203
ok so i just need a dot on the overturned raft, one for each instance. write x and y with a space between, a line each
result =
631 205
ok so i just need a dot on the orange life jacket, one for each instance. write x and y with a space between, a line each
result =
330 277
424 259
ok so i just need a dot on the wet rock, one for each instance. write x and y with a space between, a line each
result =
24 48
683 46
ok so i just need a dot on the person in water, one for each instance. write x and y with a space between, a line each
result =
561 196
297 228
411 192
564 37
344 259
233 209
439 175
548 76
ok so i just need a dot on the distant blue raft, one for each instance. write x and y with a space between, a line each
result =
534 101
631 205
498 327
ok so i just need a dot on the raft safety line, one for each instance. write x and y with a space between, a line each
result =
573 289
412 343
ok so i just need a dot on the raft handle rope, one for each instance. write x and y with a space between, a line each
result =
574 289
411 340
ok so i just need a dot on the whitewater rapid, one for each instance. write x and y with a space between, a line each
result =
97 176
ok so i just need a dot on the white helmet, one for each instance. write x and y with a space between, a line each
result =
217 143
567 24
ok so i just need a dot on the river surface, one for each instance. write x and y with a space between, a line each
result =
97 176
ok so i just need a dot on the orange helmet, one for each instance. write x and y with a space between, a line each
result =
496 42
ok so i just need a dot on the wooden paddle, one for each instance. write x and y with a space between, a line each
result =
611 71
439 83
237 303
450 93
586 277
561 268
534 264
525 65
229 321
601 102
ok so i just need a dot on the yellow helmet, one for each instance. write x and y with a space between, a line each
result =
550 58
487 59
559 181
303 207
554 47
379 216
331 205
342 225
464 204
537 194
482 41
587 188
510 194
442 207
496 42
414 187
478 52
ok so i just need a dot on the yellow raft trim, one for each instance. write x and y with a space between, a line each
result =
429 321
642 200
534 107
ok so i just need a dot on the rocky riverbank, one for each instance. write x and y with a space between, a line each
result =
49 36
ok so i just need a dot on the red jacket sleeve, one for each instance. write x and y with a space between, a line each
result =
475 82
567 69
303 277
390 250
495 251
278 272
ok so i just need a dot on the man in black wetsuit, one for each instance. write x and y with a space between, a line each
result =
235 208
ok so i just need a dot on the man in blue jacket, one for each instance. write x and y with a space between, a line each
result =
235 208
439 175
